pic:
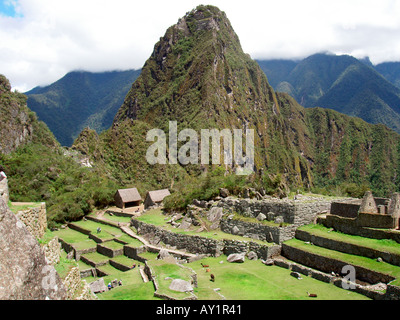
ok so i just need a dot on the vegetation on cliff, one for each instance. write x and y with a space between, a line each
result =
37 168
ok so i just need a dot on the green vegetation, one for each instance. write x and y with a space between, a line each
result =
38 173
79 100
342 83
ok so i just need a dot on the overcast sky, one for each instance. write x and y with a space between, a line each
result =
42 40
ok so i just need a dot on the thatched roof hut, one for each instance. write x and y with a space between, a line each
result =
125 198
155 198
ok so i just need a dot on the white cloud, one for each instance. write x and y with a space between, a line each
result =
50 38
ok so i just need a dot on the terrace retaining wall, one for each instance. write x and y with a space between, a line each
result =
348 247
201 245
350 226
326 264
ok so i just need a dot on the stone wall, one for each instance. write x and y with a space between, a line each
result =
201 245
4 193
77 289
350 226
35 220
258 231
348 209
109 252
24 273
52 251
298 212
378 221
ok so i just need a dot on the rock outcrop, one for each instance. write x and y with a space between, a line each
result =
24 273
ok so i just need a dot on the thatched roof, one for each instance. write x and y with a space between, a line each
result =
129 195
158 195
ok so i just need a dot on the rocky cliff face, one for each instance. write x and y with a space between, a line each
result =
24 273
15 126
18 125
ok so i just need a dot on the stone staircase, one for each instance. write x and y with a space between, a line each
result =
376 262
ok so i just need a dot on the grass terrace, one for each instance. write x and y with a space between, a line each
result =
79 240
155 217
387 245
350 259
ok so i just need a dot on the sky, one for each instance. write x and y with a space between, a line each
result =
42 40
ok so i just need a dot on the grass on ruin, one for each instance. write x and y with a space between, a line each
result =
386 245
65 265
15 207
79 240
96 257
350 259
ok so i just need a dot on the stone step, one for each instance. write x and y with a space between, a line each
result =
329 261
349 244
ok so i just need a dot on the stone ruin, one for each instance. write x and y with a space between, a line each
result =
371 212
24 272
4 193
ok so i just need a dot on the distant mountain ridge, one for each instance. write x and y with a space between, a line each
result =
199 76
342 83
81 99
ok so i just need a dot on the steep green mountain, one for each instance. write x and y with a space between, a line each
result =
391 71
199 76
38 169
342 83
81 99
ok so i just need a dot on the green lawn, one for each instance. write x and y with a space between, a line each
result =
133 287
253 280
163 270
78 240
96 257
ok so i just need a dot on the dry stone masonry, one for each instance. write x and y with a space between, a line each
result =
35 220
24 272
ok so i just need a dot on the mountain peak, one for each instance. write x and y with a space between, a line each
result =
198 68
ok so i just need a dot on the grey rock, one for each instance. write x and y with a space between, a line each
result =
252 255
236 257
98 286
24 273
163 254
278 220
268 262
261 217
215 214
180 286
224 193
235 230
296 275
270 216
